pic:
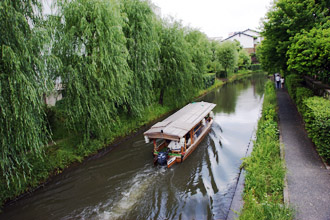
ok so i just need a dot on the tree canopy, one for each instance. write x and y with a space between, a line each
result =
175 72
244 59
200 51
92 48
22 84
285 27
142 44
227 55
310 52
115 58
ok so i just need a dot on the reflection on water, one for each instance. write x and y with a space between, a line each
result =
124 184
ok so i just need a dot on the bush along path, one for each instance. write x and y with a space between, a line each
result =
308 179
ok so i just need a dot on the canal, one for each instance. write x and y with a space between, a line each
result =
124 184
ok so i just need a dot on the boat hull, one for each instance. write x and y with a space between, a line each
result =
180 159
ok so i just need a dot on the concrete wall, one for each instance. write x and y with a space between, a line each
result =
52 98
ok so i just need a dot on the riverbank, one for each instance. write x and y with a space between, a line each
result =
265 170
66 149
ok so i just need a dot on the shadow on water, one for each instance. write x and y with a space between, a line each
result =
124 184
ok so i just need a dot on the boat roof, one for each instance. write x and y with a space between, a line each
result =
181 122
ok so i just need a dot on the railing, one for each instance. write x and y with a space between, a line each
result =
318 87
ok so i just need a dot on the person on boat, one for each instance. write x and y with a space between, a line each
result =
174 145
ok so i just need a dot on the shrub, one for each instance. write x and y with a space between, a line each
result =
255 67
292 82
302 93
208 80
244 60
317 123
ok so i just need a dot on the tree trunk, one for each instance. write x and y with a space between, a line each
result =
161 96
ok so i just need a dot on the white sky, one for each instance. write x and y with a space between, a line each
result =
216 18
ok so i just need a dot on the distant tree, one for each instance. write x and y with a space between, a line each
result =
244 59
23 129
238 45
201 54
227 55
92 47
214 65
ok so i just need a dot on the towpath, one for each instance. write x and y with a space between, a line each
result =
308 180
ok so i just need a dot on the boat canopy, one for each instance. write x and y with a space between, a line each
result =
181 122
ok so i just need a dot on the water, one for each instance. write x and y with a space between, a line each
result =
124 184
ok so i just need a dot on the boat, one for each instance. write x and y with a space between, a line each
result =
177 136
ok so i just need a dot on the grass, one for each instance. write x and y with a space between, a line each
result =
265 172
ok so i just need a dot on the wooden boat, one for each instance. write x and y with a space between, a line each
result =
176 137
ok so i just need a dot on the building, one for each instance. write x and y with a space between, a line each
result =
52 97
249 39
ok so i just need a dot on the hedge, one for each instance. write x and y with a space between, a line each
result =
316 114
317 123
255 67
208 80
292 82
302 93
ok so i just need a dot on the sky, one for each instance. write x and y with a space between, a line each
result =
216 18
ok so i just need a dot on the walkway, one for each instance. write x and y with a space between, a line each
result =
308 179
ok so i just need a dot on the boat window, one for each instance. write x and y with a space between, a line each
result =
198 130
187 135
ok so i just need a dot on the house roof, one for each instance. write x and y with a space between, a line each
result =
181 122
238 33
251 30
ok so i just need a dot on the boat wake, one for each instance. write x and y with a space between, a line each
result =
117 208
139 184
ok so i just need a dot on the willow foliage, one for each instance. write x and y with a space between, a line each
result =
92 48
22 83
201 54
175 76
142 44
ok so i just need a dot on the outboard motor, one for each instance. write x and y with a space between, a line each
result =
162 158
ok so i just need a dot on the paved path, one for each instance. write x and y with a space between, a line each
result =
308 179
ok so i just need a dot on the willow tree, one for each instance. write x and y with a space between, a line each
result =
201 54
22 126
214 65
142 44
92 48
175 75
